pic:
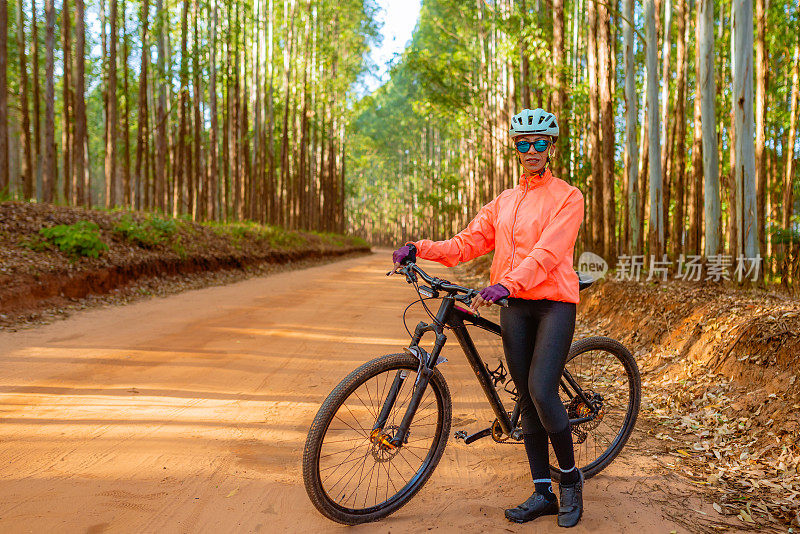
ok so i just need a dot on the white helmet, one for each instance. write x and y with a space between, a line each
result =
537 121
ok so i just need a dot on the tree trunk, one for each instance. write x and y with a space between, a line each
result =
37 131
212 103
79 137
5 186
560 102
604 48
762 57
271 186
199 191
656 229
142 130
113 195
644 167
183 159
631 118
160 177
745 176
679 165
26 174
284 218
125 123
788 182
666 52
706 87
597 211
524 61
49 174
66 106
227 128
694 234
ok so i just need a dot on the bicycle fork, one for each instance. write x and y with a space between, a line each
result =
427 365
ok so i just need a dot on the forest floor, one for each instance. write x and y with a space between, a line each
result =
189 414
719 370
138 255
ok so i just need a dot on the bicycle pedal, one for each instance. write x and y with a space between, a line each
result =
469 438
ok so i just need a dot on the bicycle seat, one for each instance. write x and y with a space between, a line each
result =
584 280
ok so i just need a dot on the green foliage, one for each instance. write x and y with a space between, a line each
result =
275 236
178 248
79 239
339 240
785 237
153 232
166 227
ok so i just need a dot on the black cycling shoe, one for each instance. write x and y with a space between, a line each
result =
535 506
571 498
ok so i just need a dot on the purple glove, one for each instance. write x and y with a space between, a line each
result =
405 252
494 292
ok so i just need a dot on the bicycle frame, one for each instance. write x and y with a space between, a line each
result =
457 319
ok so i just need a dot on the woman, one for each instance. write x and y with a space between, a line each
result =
532 228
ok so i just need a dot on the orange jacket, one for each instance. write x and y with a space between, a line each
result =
533 228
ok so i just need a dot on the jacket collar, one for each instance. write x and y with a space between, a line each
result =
531 181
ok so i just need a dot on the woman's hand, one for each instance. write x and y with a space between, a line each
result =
488 296
403 255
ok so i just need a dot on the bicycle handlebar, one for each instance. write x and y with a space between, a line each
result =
411 269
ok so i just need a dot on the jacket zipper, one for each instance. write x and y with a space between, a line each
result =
514 225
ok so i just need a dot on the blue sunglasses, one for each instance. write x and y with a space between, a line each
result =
540 145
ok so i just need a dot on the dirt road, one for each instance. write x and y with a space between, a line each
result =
189 413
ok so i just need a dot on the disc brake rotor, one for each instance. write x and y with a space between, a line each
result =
577 409
382 449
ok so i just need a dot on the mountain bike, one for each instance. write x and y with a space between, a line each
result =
380 433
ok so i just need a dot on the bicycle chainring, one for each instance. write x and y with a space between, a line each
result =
500 437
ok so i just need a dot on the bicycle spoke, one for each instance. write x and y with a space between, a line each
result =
364 432
353 429
360 473
342 477
360 479
370 410
602 377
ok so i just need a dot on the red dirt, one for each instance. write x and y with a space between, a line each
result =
189 414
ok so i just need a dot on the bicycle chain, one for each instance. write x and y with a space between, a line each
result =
497 434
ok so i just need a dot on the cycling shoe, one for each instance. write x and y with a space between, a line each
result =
535 506
571 499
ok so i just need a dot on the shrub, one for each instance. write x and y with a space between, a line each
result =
79 239
151 233
167 227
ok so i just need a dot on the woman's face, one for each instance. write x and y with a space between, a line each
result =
532 161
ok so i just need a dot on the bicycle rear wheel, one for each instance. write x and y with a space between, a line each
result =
608 374
352 475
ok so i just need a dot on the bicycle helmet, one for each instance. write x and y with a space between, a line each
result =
536 121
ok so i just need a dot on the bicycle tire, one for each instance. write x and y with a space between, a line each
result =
312 479
628 362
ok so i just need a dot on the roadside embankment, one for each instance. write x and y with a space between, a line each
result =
54 257
720 380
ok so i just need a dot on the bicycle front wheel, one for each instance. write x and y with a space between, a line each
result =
351 472
608 375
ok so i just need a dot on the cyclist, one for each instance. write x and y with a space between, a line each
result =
532 228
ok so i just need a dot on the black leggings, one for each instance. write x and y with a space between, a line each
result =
536 338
